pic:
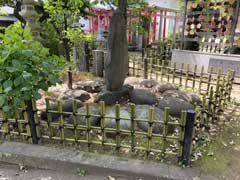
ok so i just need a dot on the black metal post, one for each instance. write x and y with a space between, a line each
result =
184 23
145 68
187 141
32 124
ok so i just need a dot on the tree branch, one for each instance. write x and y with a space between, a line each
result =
16 11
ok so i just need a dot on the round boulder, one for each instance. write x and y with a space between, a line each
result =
91 86
75 94
111 120
94 110
111 97
67 106
142 96
177 94
142 112
148 83
195 99
165 87
131 80
176 105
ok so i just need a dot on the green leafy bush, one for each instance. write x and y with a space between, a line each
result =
25 68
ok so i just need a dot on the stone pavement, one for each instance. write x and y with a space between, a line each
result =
101 166
16 172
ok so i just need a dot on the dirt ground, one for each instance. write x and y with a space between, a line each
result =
222 157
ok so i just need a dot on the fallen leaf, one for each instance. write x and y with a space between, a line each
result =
210 154
196 178
111 178
231 142
225 144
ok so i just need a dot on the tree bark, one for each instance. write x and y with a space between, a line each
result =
116 66
68 59
16 10
67 52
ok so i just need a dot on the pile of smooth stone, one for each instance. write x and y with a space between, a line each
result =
143 93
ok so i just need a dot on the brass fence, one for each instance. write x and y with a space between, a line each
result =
214 88
197 79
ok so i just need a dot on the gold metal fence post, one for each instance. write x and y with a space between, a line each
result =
165 130
201 80
133 125
187 76
118 128
103 113
61 121
150 123
88 125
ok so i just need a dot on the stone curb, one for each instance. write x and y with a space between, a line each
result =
58 159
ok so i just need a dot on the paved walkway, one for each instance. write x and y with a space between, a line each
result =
65 164
13 172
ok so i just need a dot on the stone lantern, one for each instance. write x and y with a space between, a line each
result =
31 17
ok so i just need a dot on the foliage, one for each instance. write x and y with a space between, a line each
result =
51 38
25 67
76 34
3 13
144 19
58 9
81 172
63 16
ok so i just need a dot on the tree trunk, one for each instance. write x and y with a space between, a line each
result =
68 59
67 51
16 11
116 66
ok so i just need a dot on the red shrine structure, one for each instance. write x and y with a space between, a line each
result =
163 21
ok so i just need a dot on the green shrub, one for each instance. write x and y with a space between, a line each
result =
25 68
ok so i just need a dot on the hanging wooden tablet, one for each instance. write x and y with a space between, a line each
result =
232 1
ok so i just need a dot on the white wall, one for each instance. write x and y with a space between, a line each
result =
223 61
172 4
8 9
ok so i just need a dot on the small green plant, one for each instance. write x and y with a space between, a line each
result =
81 172
25 67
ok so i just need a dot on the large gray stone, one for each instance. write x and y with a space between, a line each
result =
195 99
142 112
79 56
111 97
176 105
98 65
75 94
177 94
91 86
67 106
191 98
131 80
148 83
142 96
94 110
116 66
165 87
111 120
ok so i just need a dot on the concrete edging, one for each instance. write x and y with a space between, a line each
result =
56 159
